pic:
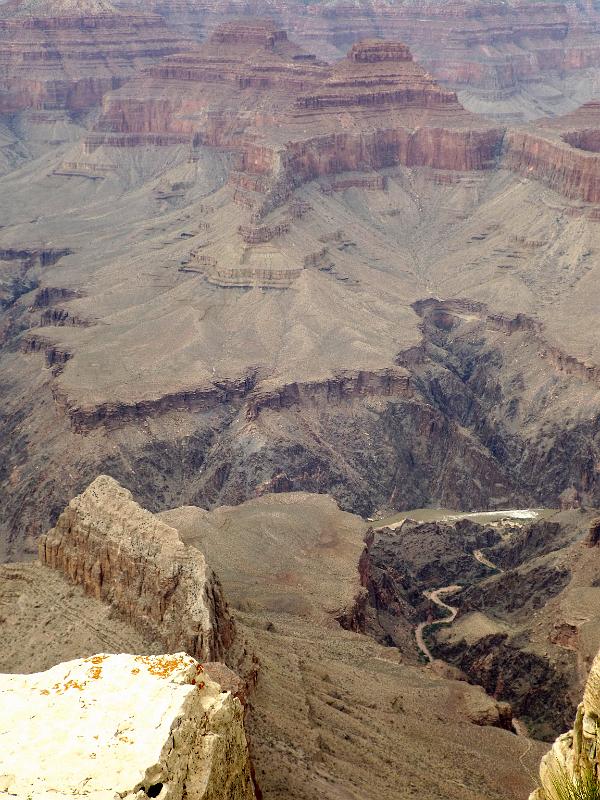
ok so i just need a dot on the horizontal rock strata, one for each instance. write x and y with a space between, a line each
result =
65 56
122 554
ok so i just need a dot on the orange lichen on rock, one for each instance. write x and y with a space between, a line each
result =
164 666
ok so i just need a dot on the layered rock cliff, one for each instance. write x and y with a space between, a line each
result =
122 554
493 48
59 55
122 726
288 119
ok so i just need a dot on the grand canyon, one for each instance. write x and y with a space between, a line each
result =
300 399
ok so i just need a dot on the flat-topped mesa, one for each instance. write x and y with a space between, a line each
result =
376 50
122 726
562 152
122 554
575 754
381 73
66 55
256 32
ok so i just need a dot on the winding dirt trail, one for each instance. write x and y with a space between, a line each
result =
478 556
434 596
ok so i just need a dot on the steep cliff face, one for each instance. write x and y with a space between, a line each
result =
575 753
126 726
120 553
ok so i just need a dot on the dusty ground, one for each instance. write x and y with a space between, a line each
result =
45 620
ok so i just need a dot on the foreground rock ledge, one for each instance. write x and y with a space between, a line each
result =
122 726
576 752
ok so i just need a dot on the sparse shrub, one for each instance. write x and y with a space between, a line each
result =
585 786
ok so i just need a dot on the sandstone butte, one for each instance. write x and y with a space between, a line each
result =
376 108
575 752
122 554
492 47
122 726
288 118
294 114
65 55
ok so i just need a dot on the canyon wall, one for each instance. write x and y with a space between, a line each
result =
120 553
568 170
491 47
123 726
57 58
399 116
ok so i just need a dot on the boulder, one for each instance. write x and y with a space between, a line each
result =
122 726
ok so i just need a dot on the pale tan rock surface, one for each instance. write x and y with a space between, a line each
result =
122 726
122 554
576 751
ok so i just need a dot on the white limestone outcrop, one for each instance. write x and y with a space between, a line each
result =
122 726
576 752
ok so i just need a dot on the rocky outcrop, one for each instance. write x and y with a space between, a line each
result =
122 554
593 537
123 726
537 689
85 418
345 386
574 756
570 171
54 356
246 395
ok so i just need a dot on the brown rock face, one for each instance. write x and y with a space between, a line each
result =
122 554
251 77
563 153
67 56
492 47
593 538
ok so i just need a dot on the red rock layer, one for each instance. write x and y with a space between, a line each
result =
294 116
563 153
70 61
492 46
291 119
